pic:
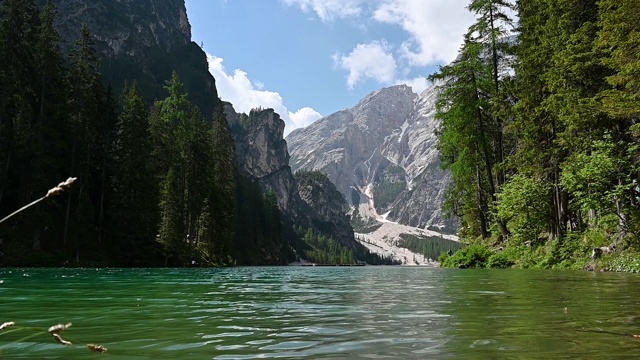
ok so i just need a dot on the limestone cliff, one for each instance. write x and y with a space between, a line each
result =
142 41
328 204
264 157
382 155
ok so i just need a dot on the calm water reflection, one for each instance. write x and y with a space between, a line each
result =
321 312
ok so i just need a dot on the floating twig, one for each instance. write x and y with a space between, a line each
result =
53 191
61 340
6 325
97 348
56 329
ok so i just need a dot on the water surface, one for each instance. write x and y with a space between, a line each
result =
320 313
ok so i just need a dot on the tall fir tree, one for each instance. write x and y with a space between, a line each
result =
84 111
224 185
135 188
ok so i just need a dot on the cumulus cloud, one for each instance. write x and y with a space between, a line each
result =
239 90
305 116
435 27
328 10
368 61
418 84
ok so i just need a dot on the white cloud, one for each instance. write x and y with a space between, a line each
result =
328 10
238 90
435 27
305 116
368 61
418 84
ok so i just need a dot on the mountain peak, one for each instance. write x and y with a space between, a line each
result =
381 154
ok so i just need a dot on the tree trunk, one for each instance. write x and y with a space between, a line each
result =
496 80
101 210
481 207
68 211
4 175
622 225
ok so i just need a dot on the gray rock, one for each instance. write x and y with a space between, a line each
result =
385 147
263 156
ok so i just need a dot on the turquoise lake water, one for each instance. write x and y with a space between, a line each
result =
320 313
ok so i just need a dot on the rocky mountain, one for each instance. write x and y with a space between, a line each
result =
142 41
264 157
328 204
382 156
145 41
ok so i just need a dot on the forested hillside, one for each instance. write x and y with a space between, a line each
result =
155 187
540 130
160 181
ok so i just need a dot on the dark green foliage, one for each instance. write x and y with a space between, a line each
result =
500 260
327 251
375 259
260 235
135 190
473 256
153 188
563 177
431 247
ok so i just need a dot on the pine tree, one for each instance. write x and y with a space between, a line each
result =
463 140
619 40
84 106
135 187
19 29
182 145
224 182
47 137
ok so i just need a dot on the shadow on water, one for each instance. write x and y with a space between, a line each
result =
328 313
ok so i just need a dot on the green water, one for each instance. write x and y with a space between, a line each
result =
320 312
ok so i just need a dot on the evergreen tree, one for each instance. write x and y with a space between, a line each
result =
135 198
619 40
47 136
84 107
463 139
224 184
471 108
183 146
19 28
172 234
535 128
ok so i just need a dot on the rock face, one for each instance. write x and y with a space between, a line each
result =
382 156
264 157
142 41
126 27
328 204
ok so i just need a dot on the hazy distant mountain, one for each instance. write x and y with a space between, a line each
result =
382 156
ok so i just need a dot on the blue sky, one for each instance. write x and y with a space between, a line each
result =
310 58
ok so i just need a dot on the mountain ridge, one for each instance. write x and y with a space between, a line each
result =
382 155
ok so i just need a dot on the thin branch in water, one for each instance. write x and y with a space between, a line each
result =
6 325
56 329
61 340
96 348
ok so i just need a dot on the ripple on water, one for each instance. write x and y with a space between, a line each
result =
370 312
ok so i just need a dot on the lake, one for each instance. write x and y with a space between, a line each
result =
320 313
